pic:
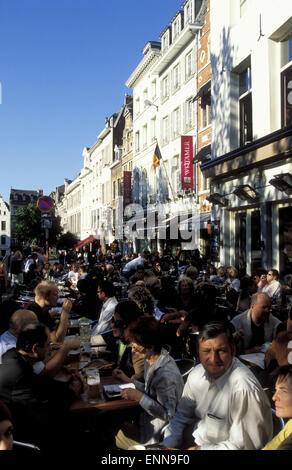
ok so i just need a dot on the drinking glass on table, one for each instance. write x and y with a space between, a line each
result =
85 332
93 385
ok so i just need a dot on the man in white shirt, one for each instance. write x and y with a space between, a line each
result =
132 265
273 287
106 293
73 276
222 400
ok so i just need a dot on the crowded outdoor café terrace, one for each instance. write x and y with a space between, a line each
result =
107 352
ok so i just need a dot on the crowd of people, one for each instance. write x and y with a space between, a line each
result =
148 312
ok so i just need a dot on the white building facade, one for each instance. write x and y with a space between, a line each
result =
250 173
164 88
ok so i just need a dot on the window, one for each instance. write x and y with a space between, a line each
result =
206 115
137 141
153 129
3 240
145 97
189 65
137 102
176 28
165 42
145 131
3 226
286 82
189 114
175 173
286 92
176 78
165 124
154 89
114 189
245 106
176 123
164 88
189 13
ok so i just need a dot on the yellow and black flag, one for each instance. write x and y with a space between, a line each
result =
156 157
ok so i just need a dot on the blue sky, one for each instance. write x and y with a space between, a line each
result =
63 68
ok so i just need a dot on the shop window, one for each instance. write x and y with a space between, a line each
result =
285 233
286 92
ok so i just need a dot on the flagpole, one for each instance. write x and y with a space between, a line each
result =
168 180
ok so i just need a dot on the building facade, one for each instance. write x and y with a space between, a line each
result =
4 227
250 172
20 198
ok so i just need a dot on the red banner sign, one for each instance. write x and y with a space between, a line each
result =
187 169
127 190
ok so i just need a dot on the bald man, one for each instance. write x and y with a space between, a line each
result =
18 321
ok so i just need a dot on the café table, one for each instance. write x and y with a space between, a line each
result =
103 404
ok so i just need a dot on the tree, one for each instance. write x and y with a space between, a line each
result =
66 241
29 229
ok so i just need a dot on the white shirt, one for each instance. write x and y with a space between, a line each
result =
105 318
133 264
73 277
232 413
272 289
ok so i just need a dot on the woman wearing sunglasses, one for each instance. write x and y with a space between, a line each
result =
130 363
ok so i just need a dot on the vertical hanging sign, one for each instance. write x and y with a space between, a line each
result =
187 170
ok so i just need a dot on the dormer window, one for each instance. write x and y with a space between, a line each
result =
189 13
176 28
165 42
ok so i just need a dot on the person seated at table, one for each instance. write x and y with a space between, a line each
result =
46 271
278 353
273 287
87 303
283 405
46 297
223 406
52 365
73 276
159 395
82 271
106 295
187 301
6 428
248 286
232 280
38 403
256 326
57 271
138 276
143 298
130 364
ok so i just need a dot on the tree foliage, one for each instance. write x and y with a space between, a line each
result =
29 229
66 241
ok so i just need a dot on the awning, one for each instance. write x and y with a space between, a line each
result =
204 91
203 154
87 240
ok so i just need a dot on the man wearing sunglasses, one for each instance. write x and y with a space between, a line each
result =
106 294
273 287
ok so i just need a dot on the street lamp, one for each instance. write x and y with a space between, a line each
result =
282 182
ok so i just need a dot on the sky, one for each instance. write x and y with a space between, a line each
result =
63 68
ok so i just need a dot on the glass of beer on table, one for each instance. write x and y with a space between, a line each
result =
93 385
